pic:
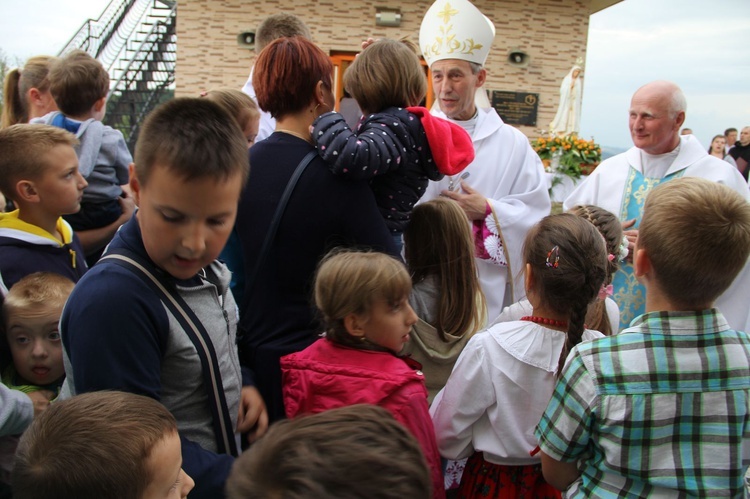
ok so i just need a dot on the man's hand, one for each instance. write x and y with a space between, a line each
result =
253 415
41 400
631 235
128 207
127 192
473 203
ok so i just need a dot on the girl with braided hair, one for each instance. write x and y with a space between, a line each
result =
505 376
604 312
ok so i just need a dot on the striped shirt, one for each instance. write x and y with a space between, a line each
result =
660 410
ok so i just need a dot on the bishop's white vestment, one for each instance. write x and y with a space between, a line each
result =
508 172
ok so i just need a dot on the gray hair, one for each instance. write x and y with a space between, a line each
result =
677 103
475 67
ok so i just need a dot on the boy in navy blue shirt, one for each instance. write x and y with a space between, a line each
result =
40 174
121 329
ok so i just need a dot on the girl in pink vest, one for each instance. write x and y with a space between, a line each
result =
364 301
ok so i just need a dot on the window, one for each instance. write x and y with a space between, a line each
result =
342 60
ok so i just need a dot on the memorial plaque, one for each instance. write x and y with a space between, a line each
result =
516 108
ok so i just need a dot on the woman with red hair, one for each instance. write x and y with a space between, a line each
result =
293 82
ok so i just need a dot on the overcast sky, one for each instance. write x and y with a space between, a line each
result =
702 45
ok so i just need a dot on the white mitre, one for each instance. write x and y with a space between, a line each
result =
455 29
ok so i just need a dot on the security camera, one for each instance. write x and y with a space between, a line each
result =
518 58
246 40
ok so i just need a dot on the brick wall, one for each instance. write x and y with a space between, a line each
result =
552 32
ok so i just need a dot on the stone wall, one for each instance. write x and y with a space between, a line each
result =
553 32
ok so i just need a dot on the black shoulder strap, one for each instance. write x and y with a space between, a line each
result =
222 421
274 227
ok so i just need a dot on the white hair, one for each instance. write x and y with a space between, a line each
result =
678 103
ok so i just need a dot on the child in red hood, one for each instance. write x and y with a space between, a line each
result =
364 301
397 147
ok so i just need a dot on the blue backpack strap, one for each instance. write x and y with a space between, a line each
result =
146 271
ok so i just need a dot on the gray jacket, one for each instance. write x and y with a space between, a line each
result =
103 158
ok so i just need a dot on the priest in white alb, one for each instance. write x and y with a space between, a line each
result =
503 191
620 184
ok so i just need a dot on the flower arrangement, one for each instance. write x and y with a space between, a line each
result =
576 155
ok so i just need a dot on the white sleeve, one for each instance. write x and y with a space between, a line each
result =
465 398
16 411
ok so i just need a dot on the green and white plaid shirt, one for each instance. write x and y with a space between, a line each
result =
660 410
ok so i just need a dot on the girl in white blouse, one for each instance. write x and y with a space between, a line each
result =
505 376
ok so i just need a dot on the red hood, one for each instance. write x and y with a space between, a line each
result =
450 145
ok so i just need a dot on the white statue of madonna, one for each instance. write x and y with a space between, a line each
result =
568 117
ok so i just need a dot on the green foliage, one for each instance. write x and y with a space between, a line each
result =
573 152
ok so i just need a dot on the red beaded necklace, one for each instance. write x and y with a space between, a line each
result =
545 322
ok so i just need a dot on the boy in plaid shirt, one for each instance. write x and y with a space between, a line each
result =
663 408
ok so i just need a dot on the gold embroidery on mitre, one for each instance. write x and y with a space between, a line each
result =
448 40
447 13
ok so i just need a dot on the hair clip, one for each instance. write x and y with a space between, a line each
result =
204 93
606 291
555 251
610 257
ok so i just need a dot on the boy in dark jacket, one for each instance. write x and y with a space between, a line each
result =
40 174
121 329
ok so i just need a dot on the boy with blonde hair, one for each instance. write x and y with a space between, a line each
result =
155 315
663 408
79 84
103 444
40 174
31 312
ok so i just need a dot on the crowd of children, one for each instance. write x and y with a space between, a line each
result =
661 409
132 365
479 413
